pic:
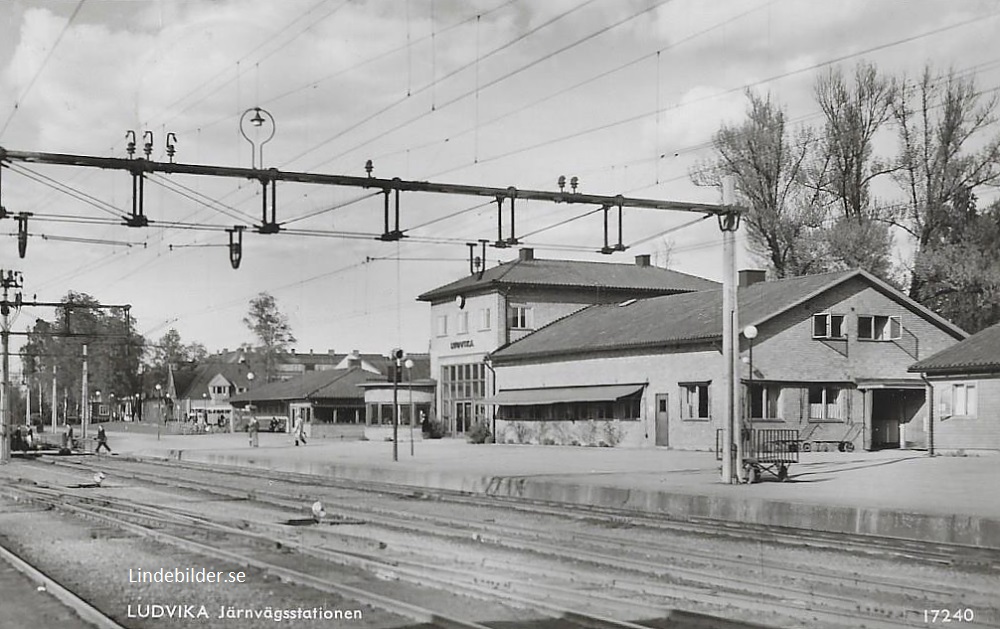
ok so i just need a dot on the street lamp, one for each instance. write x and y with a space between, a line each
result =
750 332
488 361
409 381
261 118
397 356
159 409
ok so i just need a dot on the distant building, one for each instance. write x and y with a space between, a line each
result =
201 393
964 384
475 315
831 360
348 401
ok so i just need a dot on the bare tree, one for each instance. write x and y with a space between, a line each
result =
768 167
854 115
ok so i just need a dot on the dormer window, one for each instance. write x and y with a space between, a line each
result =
828 326
879 328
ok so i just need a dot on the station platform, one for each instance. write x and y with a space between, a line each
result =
893 492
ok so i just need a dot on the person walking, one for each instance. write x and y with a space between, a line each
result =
252 429
102 440
299 430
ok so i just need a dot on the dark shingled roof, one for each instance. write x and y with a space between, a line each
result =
312 385
574 273
191 381
977 354
683 318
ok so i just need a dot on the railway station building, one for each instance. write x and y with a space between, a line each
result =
489 309
964 386
831 359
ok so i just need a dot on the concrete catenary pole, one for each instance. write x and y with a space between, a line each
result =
729 223
84 405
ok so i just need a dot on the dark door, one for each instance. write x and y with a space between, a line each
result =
886 411
662 419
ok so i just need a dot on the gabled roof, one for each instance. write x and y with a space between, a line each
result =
685 318
980 353
573 273
192 381
313 385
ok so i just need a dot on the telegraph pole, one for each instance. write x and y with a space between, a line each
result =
8 280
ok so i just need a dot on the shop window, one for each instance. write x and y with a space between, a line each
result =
826 403
519 317
879 328
828 326
695 401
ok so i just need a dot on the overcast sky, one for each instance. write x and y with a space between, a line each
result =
624 94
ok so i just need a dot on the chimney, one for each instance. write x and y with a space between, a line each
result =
354 359
525 254
749 277
642 260
331 352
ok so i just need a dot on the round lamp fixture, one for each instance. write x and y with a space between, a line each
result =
750 332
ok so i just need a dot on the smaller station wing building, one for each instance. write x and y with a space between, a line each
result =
831 360
965 393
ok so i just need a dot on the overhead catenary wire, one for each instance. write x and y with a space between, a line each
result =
27 90
436 80
509 74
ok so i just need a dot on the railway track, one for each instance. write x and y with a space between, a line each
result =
209 539
837 606
872 545
50 600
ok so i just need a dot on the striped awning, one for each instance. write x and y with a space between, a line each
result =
555 395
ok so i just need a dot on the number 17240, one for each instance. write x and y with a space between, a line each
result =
934 616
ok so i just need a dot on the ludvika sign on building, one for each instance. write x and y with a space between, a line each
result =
462 344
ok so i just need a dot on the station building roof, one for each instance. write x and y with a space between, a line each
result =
672 320
528 271
980 353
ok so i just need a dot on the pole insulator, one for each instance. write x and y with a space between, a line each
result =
236 245
22 233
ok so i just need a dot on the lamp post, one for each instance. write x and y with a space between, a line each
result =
750 332
159 409
409 382
493 392
397 358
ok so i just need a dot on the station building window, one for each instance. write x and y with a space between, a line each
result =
519 317
695 402
626 409
826 403
879 328
829 326
463 388
764 401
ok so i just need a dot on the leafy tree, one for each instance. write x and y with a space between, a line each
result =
270 327
56 347
769 168
938 118
170 350
960 266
